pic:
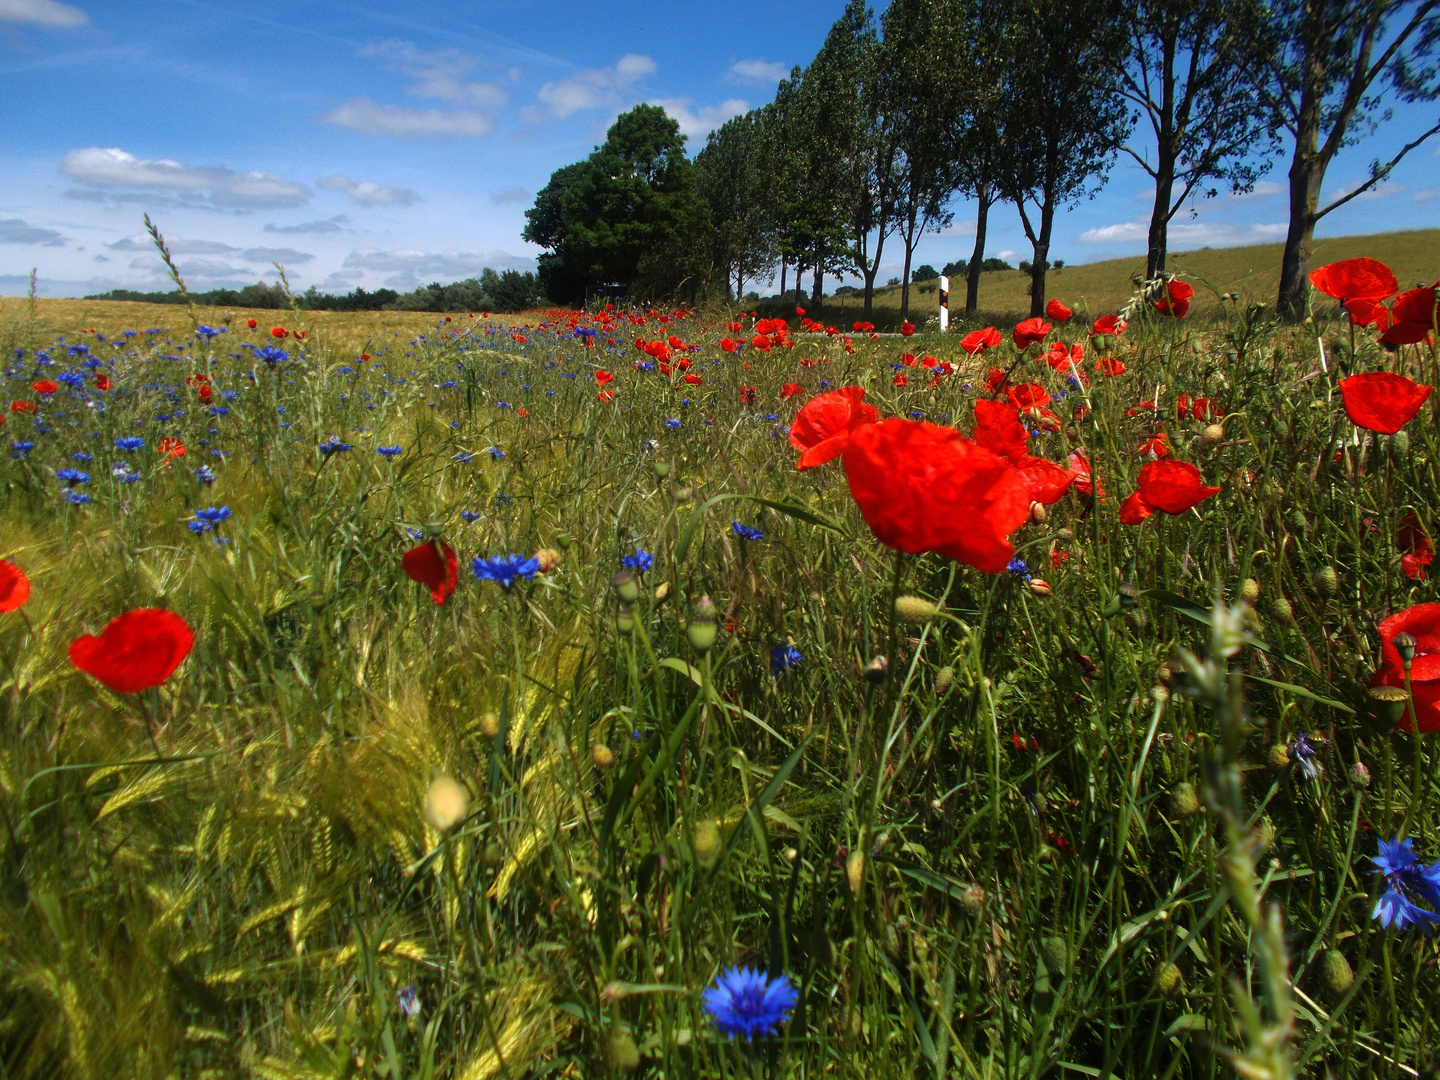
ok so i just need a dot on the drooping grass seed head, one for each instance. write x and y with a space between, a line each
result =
626 587
915 609
701 630
446 803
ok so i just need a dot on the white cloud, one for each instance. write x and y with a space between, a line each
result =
1426 195
1263 189
42 13
15 231
1382 190
700 122
284 256
178 245
367 193
757 71
372 118
330 225
438 73
208 268
408 268
963 227
510 195
1007 255
131 179
593 88
1204 234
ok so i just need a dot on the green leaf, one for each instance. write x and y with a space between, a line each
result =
1300 691
788 509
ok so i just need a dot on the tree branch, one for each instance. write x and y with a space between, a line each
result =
1379 175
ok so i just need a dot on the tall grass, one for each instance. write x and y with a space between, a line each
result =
1055 840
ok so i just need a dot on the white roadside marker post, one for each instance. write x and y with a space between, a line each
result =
944 303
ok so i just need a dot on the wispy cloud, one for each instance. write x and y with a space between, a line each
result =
367 193
15 231
510 195
1217 234
757 71
372 118
1263 189
48 13
438 74
125 177
178 245
408 268
284 256
329 225
593 88
1425 195
698 123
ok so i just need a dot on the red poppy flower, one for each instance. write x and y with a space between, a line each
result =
1030 332
170 446
980 340
1177 299
1111 325
1057 311
747 394
1417 550
1046 481
1028 396
922 487
206 393
1355 279
998 429
1134 509
676 343
23 406
1171 486
434 565
606 395
1085 482
900 380
692 379
1368 313
522 412
1111 367
995 381
603 377
1382 401
1156 446
1413 318
251 323
44 386
1423 623
791 389
823 426
136 651
102 383
800 311
279 332
14 586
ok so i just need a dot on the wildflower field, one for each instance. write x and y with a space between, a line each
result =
667 693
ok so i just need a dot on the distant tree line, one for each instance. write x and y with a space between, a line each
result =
507 291
1019 103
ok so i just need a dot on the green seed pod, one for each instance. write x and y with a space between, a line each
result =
625 586
1336 973
1250 590
1327 581
564 539
662 469
1183 801
1170 980
624 619
701 629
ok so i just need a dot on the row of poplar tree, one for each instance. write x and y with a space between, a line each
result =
1019 103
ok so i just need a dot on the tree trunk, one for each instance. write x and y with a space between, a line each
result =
909 239
783 268
871 269
819 271
977 257
1160 216
1041 247
799 285
1306 174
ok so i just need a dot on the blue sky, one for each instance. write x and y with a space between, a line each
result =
368 143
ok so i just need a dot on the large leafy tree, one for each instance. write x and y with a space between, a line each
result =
1063 112
1187 72
1325 77
545 226
736 176
631 214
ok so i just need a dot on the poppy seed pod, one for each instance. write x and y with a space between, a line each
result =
564 539
1250 590
915 609
1387 704
1170 981
624 619
707 843
1404 643
1183 801
876 670
855 871
490 726
1102 342
1327 581
1336 973
446 803
701 630
602 756
1129 594
625 587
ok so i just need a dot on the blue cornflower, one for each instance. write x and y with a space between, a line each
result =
205 475
496 453
271 355
640 562
504 570
416 534
81 457
209 332
783 658
72 379
673 423
20 449
129 442
79 498
1302 751
469 516
387 451
334 446
917 414
745 532
209 518
408 1002
502 404
71 477
1018 570
748 1002
1406 878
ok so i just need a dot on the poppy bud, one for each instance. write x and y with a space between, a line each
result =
1170 981
624 1054
944 679
915 609
614 991
1336 973
1040 587
1212 436
548 558
446 803
1183 801
1360 775
684 495
1298 522
1038 513
662 469
707 843
625 587
1055 954
1327 581
1281 611
1387 703
490 726
1102 342
602 756
701 629
876 670
624 619
1279 756
1404 643
1250 590
973 899
1400 443
855 871
564 539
